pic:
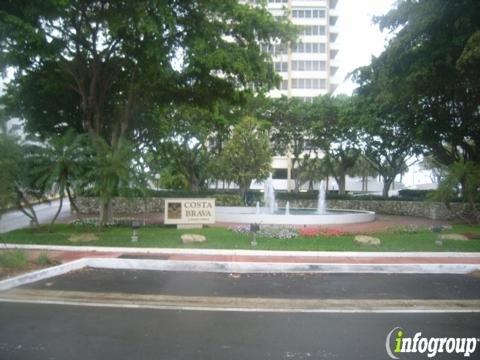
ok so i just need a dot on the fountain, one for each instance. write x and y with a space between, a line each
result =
269 196
322 207
271 214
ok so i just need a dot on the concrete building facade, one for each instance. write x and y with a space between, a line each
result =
307 67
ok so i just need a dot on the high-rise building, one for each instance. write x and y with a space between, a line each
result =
308 66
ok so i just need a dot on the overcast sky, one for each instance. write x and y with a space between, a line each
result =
358 37
358 40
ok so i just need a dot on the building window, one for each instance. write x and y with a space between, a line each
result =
308 84
275 49
281 66
313 30
308 47
280 174
308 13
308 65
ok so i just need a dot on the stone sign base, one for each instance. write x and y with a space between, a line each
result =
189 226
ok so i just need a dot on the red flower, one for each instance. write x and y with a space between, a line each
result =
313 232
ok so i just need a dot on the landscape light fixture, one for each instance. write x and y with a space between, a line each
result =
253 230
135 227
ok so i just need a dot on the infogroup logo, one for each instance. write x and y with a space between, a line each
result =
397 343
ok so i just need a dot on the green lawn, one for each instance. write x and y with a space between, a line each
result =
220 238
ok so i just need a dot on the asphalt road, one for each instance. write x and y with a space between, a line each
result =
45 212
285 286
43 330
67 332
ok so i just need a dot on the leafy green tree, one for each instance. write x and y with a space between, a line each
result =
464 174
290 129
109 65
311 169
386 145
190 140
437 170
9 168
429 73
335 132
247 155
19 183
363 168
114 172
57 166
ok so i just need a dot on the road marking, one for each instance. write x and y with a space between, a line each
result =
238 304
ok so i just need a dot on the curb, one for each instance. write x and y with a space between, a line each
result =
233 267
256 267
245 252
42 274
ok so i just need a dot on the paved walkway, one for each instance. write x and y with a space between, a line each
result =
261 256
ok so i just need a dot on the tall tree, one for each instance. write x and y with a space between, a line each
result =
101 67
334 131
58 165
247 155
290 130
387 145
429 72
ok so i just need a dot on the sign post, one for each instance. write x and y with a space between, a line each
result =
189 213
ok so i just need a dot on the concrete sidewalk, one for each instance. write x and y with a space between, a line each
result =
69 253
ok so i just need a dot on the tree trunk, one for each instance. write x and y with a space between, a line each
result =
106 212
57 213
27 209
194 182
72 202
310 185
387 182
243 193
341 184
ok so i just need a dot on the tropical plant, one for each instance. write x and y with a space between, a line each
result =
57 166
114 171
463 178
247 155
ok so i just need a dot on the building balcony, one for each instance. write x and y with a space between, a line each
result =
333 36
333 53
333 20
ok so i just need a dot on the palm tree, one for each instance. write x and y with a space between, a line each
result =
114 172
57 166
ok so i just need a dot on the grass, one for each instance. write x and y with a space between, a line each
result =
221 238
13 259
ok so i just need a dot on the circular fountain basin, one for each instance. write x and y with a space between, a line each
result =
248 215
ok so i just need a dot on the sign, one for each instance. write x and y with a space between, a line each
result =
189 211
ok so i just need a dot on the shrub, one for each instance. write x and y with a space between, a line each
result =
44 260
13 259
414 195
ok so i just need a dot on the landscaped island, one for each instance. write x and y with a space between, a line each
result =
312 239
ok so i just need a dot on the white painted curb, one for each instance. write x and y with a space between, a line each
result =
42 274
258 267
127 250
234 267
